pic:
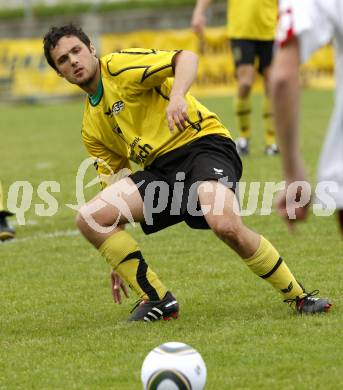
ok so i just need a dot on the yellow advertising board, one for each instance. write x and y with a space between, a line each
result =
24 72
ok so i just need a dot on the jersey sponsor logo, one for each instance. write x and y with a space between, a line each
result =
116 108
135 142
142 153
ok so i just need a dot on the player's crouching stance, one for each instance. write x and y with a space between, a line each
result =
138 109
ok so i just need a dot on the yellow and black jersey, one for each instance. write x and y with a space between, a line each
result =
128 120
252 19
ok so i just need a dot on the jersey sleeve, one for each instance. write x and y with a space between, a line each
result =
307 20
109 166
139 69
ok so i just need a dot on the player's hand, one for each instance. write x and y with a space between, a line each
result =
292 204
198 22
177 113
118 286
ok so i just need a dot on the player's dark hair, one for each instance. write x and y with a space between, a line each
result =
52 37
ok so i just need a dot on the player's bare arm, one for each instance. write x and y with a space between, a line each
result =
186 66
199 17
285 94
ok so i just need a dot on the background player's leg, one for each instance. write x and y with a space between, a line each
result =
267 114
242 106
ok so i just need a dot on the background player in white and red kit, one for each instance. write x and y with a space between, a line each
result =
305 26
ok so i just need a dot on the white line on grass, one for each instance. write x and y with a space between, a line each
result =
29 222
43 165
40 236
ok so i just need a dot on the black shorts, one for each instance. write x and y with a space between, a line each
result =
169 186
245 51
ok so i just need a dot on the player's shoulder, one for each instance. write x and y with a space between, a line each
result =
136 51
126 54
114 63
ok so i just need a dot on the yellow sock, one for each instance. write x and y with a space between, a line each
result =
122 253
242 109
268 122
267 264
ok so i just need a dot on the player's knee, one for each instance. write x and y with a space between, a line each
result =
228 231
278 80
81 220
244 88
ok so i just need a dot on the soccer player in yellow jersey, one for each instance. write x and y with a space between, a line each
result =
138 109
6 231
251 29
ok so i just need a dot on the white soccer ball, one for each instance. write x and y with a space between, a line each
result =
173 366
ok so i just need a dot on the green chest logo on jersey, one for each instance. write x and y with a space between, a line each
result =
117 107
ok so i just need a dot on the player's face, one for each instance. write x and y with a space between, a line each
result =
75 61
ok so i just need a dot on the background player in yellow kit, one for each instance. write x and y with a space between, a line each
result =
251 28
6 231
139 109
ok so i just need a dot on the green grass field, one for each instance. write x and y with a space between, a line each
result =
59 328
